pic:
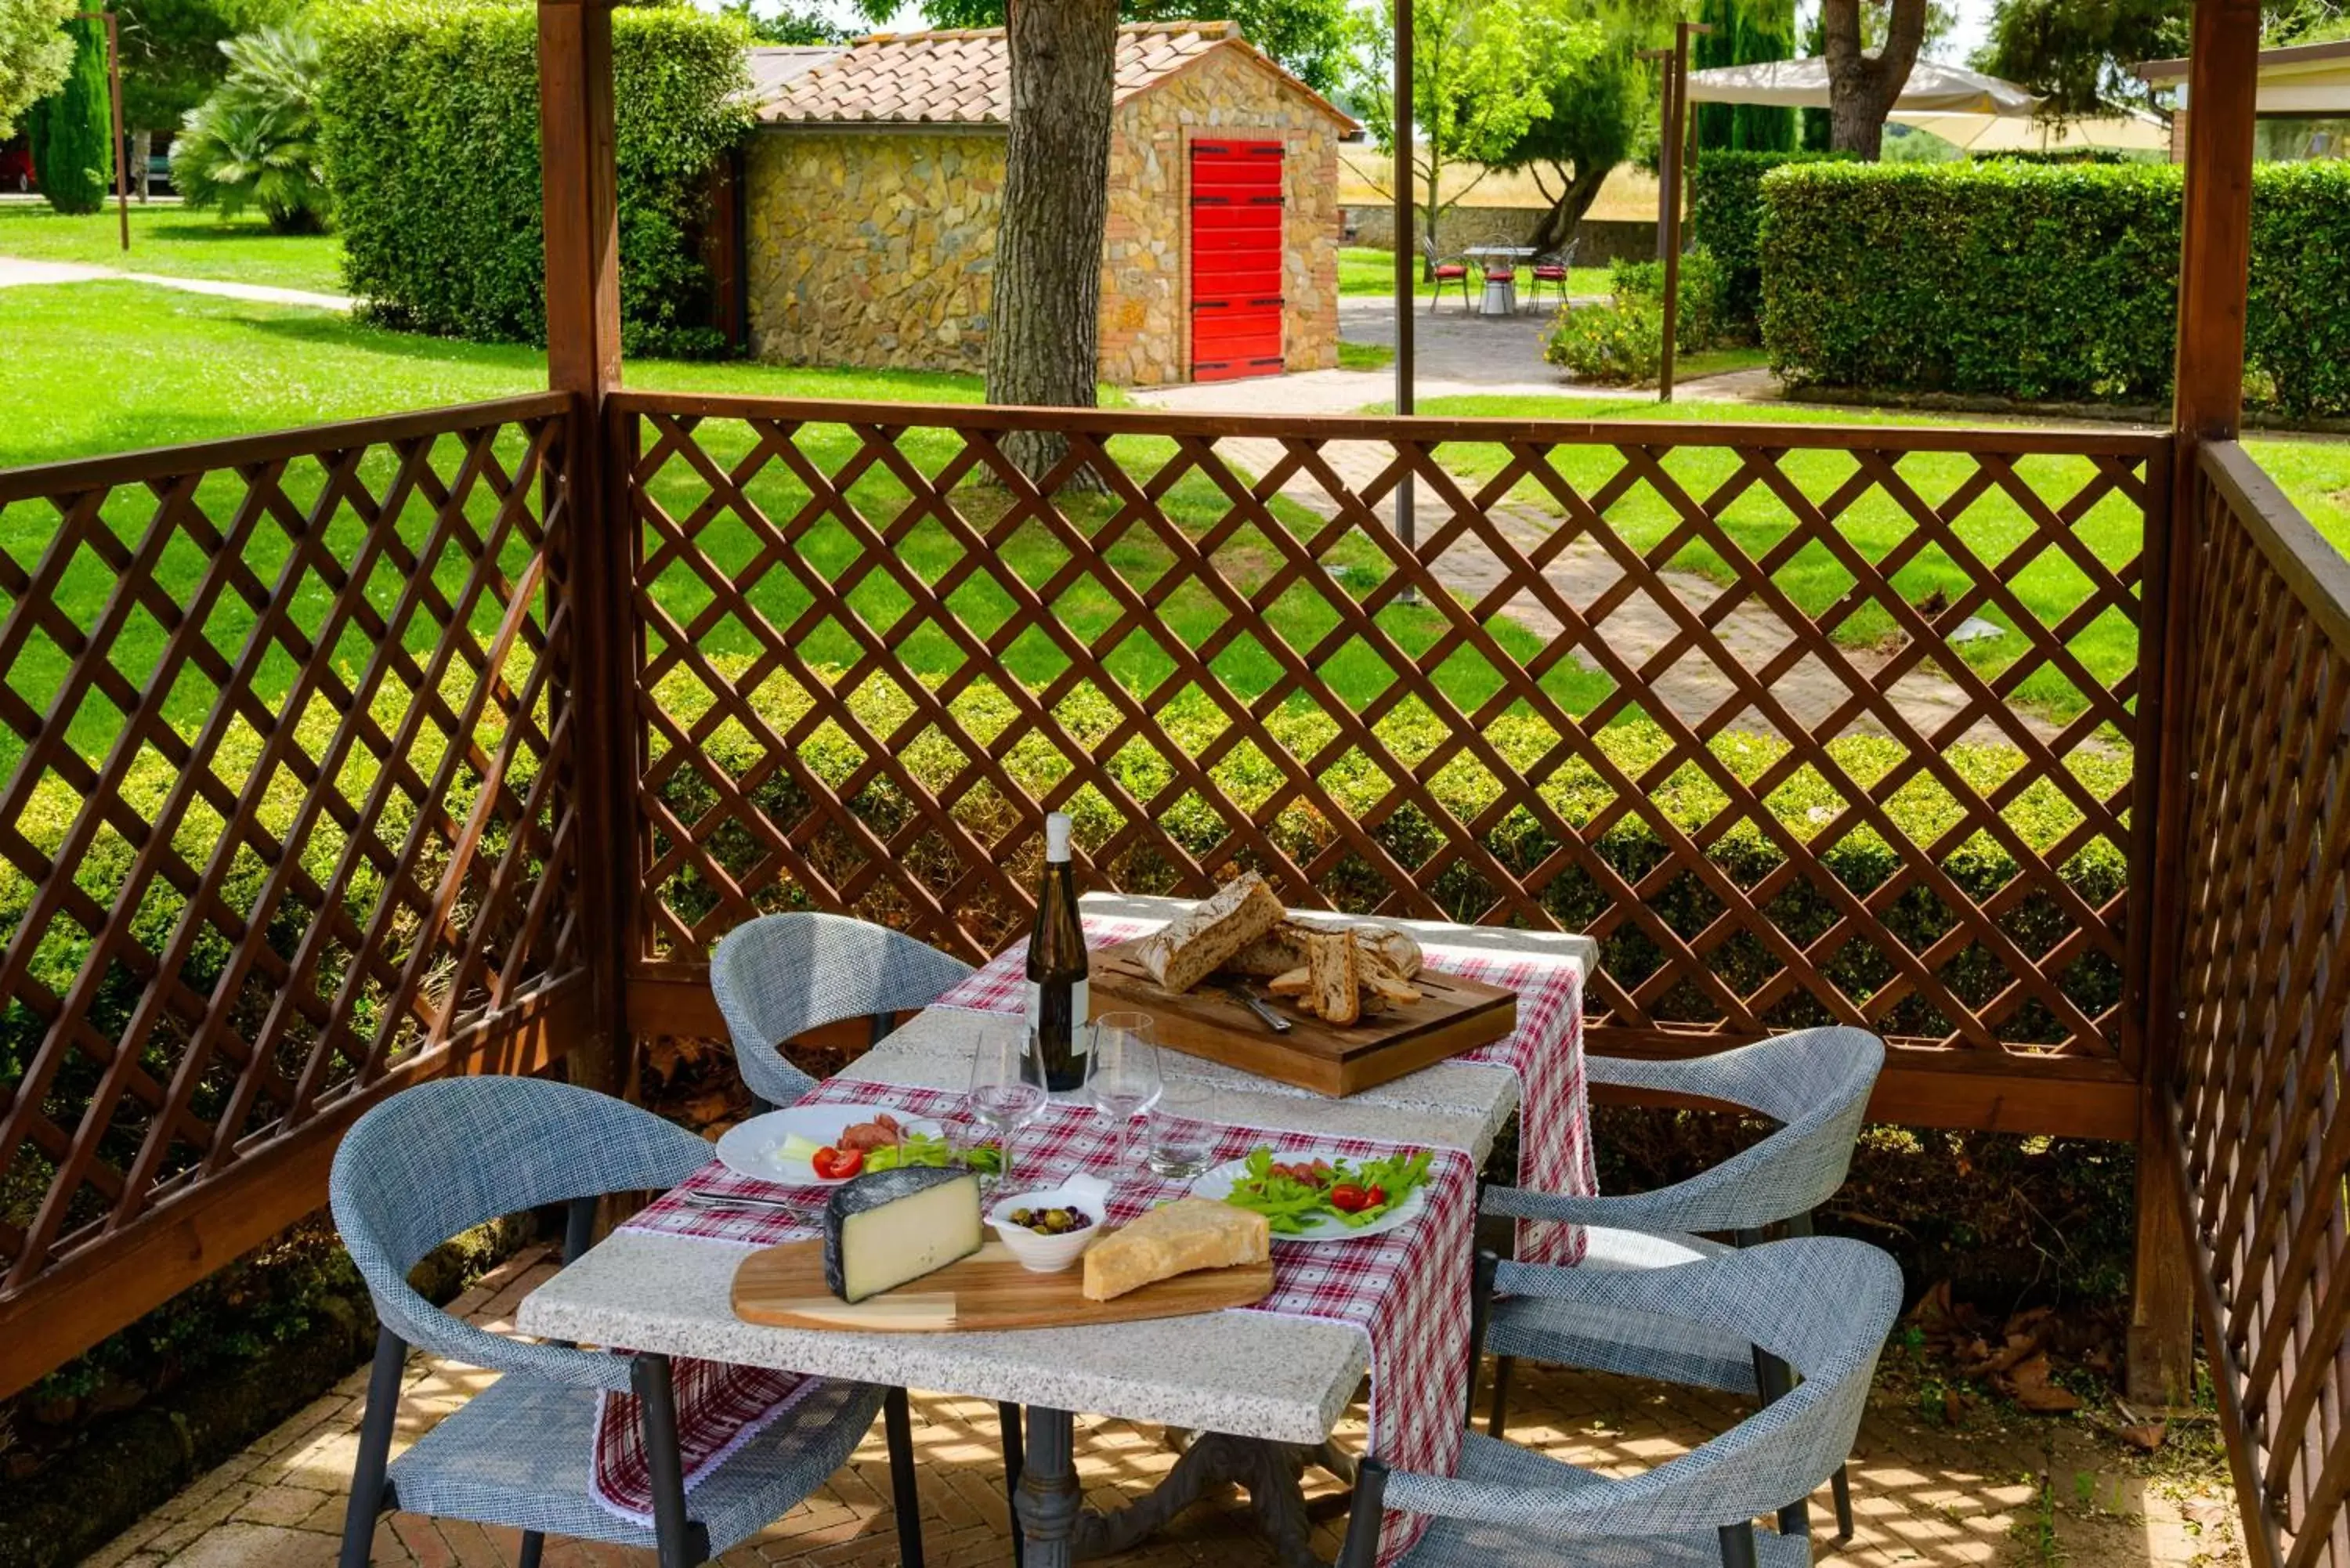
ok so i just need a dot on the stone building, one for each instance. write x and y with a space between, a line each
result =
873 184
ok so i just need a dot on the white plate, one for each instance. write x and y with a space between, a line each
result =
755 1148
1219 1183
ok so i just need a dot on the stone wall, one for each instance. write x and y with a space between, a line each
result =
1598 241
876 249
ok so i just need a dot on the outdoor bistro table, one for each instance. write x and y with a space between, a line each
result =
1247 1374
1501 298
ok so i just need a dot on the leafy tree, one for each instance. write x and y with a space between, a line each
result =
786 24
1598 110
2081 57
171 57
1744 32
1309 37
1484 74
73 134
34 54
255 141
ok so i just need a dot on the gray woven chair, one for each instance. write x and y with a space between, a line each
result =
443 1157
1815 1084
779 976
1822 1303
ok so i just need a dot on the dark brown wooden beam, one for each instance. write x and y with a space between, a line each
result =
581 214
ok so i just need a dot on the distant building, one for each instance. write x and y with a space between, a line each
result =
872 191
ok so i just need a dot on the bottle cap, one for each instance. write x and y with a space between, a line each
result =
1057 836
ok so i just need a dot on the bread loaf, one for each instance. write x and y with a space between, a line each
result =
1283 949
1193 946
1334 977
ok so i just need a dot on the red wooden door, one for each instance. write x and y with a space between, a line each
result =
1237 230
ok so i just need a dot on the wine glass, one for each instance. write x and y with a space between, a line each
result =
1008 1089
1122 1074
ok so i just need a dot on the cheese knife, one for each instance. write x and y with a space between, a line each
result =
1256 1004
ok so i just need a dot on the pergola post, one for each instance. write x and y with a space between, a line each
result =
580 210
2214 279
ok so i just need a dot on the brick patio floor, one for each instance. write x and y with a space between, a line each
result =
2022 1492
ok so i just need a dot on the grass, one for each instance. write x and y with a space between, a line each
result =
175 243
1364 356
1718 361
1365 271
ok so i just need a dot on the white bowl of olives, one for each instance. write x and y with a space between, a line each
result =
1049 1230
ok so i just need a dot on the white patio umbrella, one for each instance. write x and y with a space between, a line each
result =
1932 88
2134 130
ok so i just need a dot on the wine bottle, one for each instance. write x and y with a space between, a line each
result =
1057 1002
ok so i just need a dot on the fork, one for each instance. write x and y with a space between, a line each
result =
724 1201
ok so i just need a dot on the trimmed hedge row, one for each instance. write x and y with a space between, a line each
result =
1861 861
2040 281
1726 210
430 134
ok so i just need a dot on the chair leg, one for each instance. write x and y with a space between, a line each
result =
898 1427
1772 1377
1362 1547
1497 1421
1480 1309
1007 1418
675 1538
1840 1485
534 1546
1738 1546
367 1492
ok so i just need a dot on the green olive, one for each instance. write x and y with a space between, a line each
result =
1021 1217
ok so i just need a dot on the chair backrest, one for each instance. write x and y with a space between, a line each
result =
445 1156
1822 1303
1815 1081
779 976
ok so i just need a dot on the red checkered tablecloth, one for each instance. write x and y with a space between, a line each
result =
1407 1291
1545 1052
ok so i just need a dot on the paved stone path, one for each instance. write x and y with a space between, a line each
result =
15 271
1926 1496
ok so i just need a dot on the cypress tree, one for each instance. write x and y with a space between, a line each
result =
73 136
1744 33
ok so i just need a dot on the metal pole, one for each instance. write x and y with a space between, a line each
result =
1407 253
114 96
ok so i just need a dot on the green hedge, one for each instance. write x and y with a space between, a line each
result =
2042 281
430 112
1726 210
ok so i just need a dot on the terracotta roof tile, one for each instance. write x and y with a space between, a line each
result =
963 77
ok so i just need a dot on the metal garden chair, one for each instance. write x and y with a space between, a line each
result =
443 1157
1815 1084
779 976
1443 272
1822 1303
1550 270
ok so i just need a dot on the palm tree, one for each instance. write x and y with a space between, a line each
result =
255 141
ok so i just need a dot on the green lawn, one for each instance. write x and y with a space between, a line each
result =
1365 271
175 243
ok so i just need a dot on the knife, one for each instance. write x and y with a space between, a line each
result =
1272 1020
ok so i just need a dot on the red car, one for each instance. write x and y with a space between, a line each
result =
16 164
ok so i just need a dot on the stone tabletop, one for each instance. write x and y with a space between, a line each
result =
1248 1374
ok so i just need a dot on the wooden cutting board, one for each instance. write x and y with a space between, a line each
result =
782 1287
1453 1015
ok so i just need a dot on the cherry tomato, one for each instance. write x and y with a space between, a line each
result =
1378 1196
837 1164
1349 1198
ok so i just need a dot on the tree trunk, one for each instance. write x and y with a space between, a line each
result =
142 146
1044 342
1557 225
1863 88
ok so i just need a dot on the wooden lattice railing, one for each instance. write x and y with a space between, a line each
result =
2258 1133
287 824
1804 724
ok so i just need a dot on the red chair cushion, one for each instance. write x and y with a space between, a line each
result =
1499 274
1551 273
1448 270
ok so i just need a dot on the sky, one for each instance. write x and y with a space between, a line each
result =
1973 21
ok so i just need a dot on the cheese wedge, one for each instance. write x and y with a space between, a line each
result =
1175 1238
891 1227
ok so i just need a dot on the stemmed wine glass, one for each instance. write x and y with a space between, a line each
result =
1008 1089
1122 1074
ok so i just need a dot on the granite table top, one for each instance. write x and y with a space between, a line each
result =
1252 1375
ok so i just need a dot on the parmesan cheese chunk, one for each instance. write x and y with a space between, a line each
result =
1175 1238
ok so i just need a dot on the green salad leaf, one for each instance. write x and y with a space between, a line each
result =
1295 1195
930 1149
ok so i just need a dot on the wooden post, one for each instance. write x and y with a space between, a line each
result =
580 210
114 103
1406 257
2214 277
1671 162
